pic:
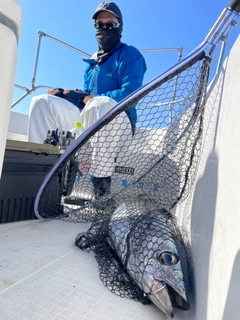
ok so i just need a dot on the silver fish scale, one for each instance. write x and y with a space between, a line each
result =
127 246
137 238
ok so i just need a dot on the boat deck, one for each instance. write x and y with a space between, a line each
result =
44 276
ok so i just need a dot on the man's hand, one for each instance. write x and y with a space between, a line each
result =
86 99
56 92
78 97
61 92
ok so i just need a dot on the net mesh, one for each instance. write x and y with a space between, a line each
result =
160 161
124 243
155 171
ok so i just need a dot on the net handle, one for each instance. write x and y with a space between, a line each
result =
235 5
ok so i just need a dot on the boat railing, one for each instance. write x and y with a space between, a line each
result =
41 34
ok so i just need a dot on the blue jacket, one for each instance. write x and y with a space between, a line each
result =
116 77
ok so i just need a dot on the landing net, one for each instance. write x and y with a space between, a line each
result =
155 171
159 163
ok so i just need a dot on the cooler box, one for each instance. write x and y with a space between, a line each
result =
10 25
24 169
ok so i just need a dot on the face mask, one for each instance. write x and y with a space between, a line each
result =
107 39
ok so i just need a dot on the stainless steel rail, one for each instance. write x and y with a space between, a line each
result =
43 34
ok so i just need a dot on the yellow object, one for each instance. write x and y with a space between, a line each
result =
78 124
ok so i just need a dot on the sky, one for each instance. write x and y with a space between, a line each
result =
148 24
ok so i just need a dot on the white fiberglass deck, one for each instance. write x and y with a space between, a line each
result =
44 276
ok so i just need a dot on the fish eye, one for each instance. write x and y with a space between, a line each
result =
168 258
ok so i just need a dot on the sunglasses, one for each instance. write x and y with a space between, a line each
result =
108 25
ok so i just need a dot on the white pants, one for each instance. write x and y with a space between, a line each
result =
48 112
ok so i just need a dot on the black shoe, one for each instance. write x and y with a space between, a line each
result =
101 186
75 201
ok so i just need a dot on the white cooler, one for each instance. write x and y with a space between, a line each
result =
10 26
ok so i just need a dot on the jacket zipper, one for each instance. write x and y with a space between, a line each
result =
94 80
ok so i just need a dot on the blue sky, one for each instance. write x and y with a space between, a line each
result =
148 24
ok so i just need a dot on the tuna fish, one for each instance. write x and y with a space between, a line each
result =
149 245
